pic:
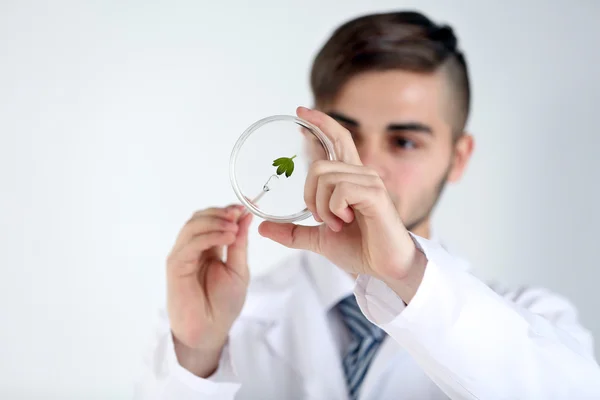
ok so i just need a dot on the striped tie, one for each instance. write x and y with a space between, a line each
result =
366 339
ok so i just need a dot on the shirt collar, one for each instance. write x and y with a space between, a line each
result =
331 283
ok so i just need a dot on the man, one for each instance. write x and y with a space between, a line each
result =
368 310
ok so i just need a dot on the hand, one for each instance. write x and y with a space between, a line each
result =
205 293
362 231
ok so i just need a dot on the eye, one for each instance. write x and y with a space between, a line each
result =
404 143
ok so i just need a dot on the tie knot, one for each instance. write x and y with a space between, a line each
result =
360 327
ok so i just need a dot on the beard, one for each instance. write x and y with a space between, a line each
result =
426 204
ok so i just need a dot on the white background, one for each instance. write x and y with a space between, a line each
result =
117 120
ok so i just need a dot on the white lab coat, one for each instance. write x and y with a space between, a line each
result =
457 339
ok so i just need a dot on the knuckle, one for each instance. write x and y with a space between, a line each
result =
220 223
317 167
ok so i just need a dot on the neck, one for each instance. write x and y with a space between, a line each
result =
422 229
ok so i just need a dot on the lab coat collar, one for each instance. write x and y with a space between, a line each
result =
268 294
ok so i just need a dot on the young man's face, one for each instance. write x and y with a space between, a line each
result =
400 122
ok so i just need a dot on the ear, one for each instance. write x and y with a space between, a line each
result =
463 148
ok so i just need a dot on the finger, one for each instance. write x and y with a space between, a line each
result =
228 212
364 199
344 146
204 224
319 168
326 186
187 257
237 252
292 236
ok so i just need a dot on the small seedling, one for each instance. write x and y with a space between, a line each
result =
284 165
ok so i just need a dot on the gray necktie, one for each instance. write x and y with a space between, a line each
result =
366 339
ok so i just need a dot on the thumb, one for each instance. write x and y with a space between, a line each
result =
292 236
237 252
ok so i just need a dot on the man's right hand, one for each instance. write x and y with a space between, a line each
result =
205 292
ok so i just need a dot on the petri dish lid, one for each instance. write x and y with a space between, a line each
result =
269 165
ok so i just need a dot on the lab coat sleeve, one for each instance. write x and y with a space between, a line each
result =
162 377
476 343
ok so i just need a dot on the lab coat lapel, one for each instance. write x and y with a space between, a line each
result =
303 340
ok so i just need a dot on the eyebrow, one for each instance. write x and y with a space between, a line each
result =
394 127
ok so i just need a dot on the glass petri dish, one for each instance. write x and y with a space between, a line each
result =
274 190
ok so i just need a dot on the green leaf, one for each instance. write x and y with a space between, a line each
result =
290 169
284 165
280 161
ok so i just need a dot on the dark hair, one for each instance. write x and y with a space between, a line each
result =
400 40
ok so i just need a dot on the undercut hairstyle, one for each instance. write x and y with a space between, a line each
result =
406 41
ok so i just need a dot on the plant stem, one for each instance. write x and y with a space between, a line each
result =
293 157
